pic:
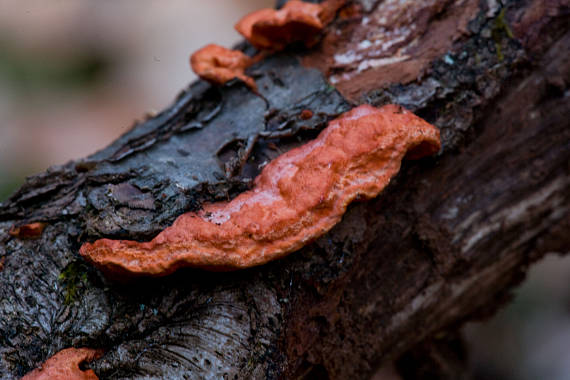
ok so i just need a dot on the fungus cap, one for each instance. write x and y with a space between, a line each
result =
28 231
297 197
218 65
66 365
274 29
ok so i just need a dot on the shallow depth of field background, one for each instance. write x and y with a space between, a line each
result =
74 75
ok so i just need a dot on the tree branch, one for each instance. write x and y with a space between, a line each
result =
445 242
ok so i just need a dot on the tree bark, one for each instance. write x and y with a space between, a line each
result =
445 243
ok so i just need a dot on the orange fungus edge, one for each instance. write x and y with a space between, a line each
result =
306 114
272 29
218 65
66 365
298 197
28 231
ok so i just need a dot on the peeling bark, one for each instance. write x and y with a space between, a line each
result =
445 243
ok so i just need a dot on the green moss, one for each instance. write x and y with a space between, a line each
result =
73 278
500 28
8 185
502 25
500 54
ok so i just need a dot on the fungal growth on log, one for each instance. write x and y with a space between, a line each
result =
267 29
297 198
66 365
297 21
217 65
28 231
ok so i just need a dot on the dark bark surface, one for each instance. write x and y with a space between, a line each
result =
444 244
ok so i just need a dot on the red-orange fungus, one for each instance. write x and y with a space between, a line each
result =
217 65
306 114
28 231
297 197
297 21
65 365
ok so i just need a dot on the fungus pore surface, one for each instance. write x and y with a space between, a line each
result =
65 365
217 65
298 197
274 29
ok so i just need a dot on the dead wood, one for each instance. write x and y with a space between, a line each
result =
445 243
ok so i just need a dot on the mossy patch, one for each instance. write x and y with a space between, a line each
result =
73 278
500 28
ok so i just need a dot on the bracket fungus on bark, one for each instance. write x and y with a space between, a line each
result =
297 21
267 29
28 231
66 365
217 65
296 198
306 114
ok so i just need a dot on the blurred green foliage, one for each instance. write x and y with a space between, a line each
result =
9 182
29 75
26 72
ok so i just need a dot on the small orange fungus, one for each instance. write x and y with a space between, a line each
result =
306 114
217 65
28 231
297 197
65 365
274 29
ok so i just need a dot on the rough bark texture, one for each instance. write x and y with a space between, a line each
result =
445 243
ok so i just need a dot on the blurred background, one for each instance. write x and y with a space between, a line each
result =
75 74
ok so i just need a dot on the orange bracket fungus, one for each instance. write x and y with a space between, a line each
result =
66 365
28 231
217 65
306 114
267 29
297 197
297 21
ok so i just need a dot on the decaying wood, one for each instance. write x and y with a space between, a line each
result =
445 242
